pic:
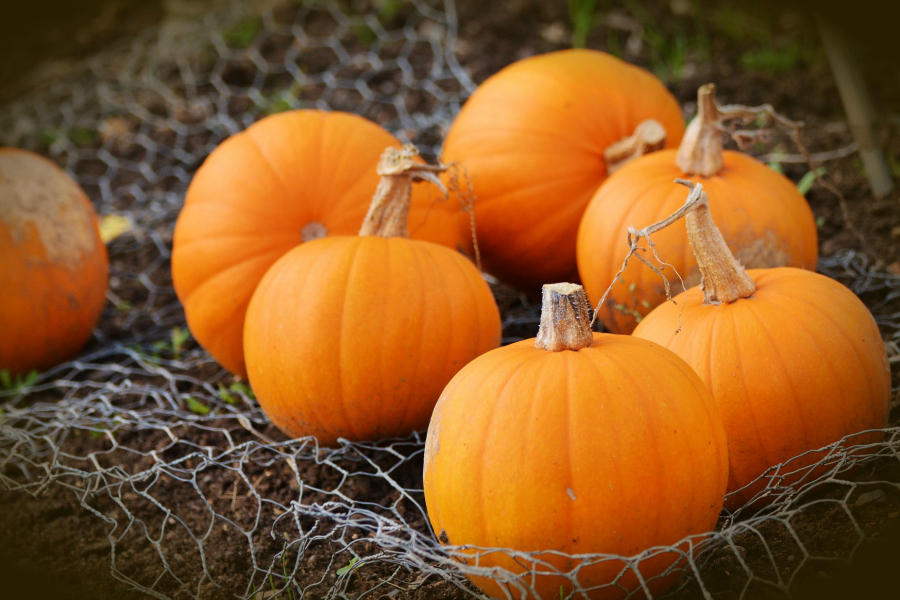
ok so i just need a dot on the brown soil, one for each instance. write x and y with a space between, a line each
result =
52 546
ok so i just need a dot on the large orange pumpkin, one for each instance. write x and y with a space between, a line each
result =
793 358
575 443
355 337
53 265
763 217
287 179
537 139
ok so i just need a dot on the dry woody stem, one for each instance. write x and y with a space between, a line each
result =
722 278
565 318
649 136
700 152
388 214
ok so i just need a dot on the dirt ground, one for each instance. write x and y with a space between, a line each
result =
52 547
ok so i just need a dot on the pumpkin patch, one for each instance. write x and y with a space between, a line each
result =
316 377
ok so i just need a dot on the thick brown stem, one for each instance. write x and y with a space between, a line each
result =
722 278
388 214
700 152
649 136
565 319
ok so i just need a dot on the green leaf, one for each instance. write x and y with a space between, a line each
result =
387 9
893 164
242 388
243 34
364 34
179 337
30 378
17 382
806 182
226 396
581 15
83 136
349 566
49 137
196 407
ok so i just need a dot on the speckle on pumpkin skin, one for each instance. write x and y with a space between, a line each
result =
763 252
34 191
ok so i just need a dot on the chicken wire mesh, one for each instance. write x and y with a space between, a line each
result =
174 455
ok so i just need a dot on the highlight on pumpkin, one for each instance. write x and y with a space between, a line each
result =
286 180
764 219
795 349
534 167
571 413
354 337
52 255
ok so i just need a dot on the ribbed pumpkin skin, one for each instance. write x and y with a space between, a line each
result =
797 366
355 337
53 264
249 202
764 219
624 425
531 139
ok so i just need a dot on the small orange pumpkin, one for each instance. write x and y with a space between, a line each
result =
537 139
355 337
287 179
53 264
763 217
577 443
793 358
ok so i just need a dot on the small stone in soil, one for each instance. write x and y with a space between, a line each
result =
868 497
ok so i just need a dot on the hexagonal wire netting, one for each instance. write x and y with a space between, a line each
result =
173 454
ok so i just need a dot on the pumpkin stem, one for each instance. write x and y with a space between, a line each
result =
649 136
565 319
313 231
700 152
388 214
722 278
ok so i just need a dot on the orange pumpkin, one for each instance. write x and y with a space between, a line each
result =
793 358
576 443
763 217
355 337
287 179
537 139
53 265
